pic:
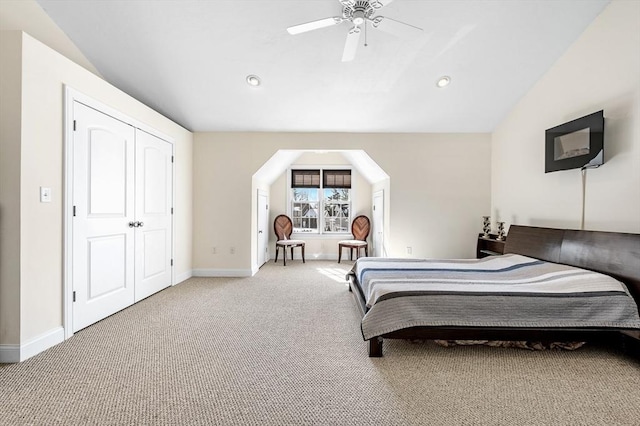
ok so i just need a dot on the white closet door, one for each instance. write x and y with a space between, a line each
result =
103 199
263 231
153 214
378 224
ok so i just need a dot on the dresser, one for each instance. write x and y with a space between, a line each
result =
489 246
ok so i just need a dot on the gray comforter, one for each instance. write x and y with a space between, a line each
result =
498 291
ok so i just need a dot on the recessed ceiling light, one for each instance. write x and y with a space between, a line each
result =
443 81
253 80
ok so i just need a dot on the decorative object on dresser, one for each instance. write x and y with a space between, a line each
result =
489 245
486 226
501 236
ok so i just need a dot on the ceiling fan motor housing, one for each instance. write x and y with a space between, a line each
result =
359 12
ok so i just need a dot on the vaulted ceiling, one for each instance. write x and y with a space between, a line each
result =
189 60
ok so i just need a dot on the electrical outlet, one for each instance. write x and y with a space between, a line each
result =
409 250
232 250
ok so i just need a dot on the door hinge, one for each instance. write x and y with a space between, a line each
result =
172 158
171 210
74 125
171 262
267 207
74 210
74 296
374 208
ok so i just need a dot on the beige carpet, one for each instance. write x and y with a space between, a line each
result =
284 348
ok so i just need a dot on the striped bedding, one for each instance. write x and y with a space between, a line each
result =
496 291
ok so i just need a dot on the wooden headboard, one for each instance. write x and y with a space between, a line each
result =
612 253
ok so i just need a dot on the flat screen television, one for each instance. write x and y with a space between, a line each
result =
576 144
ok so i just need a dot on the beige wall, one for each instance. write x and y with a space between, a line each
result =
325 247
601 70
439 189
44 76
10 134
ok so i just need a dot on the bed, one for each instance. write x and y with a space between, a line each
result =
550 285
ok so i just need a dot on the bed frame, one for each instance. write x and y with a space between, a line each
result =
611 253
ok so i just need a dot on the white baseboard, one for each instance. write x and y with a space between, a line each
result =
222 272
9 354
324 256
41 343
19 353
251 272
320 256
183 277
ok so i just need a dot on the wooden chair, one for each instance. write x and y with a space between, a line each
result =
283 227
360 229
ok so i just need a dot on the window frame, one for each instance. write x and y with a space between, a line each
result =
321 202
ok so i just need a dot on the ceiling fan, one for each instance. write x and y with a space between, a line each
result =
358 13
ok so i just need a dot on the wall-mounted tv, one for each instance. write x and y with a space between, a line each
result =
576 144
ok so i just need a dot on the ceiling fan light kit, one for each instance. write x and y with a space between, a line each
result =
358 13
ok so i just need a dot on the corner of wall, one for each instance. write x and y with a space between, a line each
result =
10 169
22 352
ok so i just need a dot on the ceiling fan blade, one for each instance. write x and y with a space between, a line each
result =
314 25
351 45
394 27
348 3
378 4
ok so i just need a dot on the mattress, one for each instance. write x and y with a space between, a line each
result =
507 291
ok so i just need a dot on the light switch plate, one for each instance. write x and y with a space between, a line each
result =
45 195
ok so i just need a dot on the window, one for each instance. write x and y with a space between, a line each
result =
318 205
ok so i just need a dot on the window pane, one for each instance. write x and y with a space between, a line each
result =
304 209
336 217
336 194
344 225
329 224
345 210
305 194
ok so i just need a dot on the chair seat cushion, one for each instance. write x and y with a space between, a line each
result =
352 243
290 242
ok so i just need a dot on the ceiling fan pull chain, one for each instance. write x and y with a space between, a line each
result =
365 34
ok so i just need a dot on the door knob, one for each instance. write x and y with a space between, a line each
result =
140 224
132 224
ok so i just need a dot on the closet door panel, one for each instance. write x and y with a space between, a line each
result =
153 212
103 199
107 173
